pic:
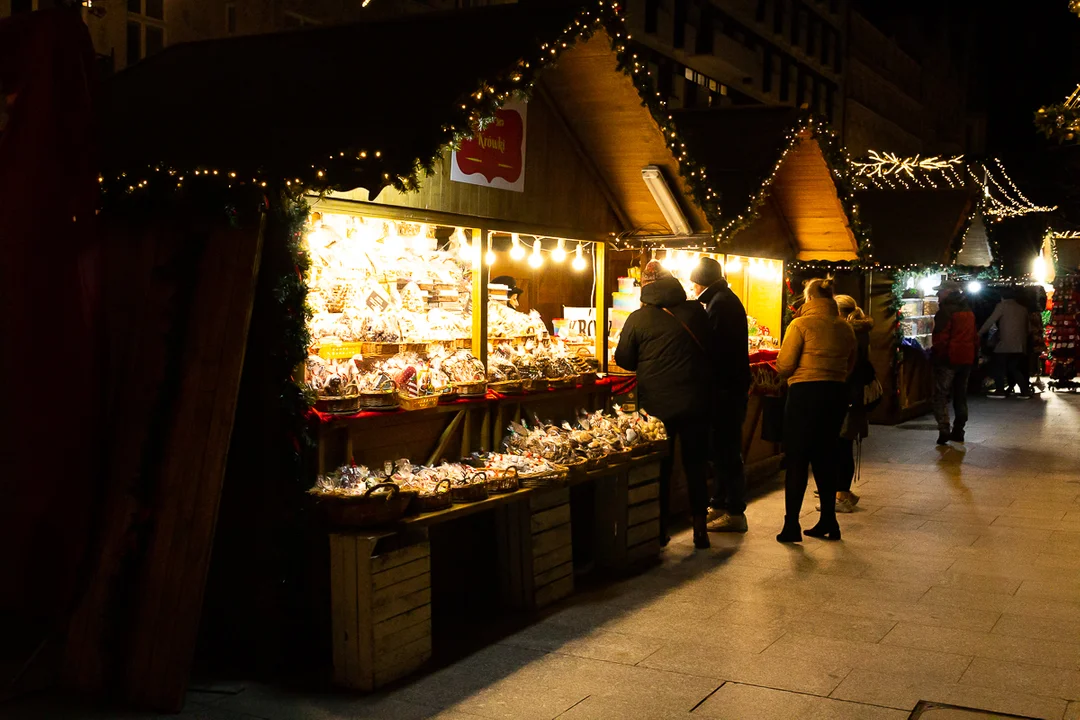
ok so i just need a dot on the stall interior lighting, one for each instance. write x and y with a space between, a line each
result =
579 259
559 253
517 252
974 287
490 257
1038 269
536 259
464 248
734 265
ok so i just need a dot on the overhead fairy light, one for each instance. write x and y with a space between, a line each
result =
559 253
517 252
579 259
885 163
1002 198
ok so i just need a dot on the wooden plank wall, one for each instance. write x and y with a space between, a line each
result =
147 652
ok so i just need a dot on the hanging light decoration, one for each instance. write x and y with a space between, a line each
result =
559 253
536 259
579 259
517 252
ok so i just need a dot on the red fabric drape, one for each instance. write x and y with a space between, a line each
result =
49 349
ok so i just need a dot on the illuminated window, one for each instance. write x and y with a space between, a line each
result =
145 29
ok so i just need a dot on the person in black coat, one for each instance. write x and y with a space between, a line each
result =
665 343
731 365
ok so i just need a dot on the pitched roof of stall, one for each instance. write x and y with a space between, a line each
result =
916 227
774 164
282 102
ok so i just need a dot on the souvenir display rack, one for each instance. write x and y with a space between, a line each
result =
1061 334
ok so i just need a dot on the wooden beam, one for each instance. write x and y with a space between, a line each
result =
444 441
605 189
600 274
480 240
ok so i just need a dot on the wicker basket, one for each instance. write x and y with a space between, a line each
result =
641 450
417 403
419 348
439 499
535 385
378 348
588 378
472 390
563 383
463 344
502 481
449 397
554 478
576 469
371 509
470 493
338 405
595 463
508 387
379 401
618 457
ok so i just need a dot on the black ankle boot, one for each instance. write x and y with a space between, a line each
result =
701 533
825 529
792 532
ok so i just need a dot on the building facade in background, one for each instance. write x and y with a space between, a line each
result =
887 84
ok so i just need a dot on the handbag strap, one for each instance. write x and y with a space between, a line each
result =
688 331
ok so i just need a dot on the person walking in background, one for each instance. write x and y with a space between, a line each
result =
954 350
856 425
1010 359
816 358
731 365
666 342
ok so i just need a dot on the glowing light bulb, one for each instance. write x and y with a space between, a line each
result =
559 253
536 259
464 248
490 257
974 286
579 260
735 265
1038 269
517 252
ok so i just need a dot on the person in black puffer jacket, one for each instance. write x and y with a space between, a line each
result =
665 344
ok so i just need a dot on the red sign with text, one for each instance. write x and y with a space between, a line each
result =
496 156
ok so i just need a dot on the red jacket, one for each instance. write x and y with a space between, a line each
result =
956 339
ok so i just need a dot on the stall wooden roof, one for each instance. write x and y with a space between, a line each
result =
779 192
316 102
917 227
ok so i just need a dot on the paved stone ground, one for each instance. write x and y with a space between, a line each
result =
958 581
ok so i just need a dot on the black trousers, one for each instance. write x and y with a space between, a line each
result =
812 420
693 436
1011 369
729 493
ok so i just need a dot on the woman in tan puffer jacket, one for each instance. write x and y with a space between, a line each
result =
817 355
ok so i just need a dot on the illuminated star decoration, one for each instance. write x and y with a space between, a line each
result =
888 170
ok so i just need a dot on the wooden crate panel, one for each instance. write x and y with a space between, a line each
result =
410 651
406 666
554 591
389 560
547 519
643 493
549 499
642 533
553 558
398 623
397 574
392 641
405 588
644 474
556 573
642 513
546 542
647 549
403 604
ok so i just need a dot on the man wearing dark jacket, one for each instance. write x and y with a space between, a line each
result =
954 351
665 343
731 366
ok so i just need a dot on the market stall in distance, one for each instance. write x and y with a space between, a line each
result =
785 200
920 237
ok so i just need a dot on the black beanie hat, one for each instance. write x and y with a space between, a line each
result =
707 272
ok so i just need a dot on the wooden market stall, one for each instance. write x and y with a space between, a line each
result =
919 235
786 202
362 160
